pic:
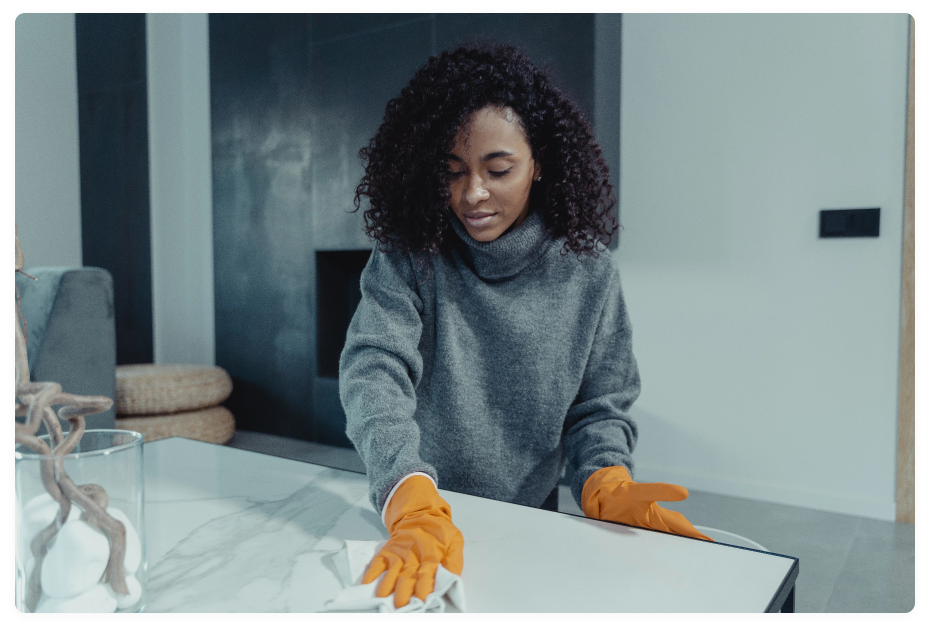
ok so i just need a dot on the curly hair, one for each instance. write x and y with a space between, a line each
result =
406 166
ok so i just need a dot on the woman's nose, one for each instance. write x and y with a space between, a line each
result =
476 191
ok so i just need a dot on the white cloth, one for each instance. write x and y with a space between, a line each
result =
352 561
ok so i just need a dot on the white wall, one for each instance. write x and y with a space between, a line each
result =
608 31
768 356
180 179
48 194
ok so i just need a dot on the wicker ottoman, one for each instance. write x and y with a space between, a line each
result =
165 400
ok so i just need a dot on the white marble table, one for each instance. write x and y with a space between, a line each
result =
231 530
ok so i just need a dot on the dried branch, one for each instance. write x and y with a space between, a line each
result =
34 402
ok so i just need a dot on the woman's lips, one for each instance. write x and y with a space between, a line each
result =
479 220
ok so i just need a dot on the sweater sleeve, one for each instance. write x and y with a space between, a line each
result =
379 370
599 431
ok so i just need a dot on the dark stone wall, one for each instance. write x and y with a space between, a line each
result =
293 99
262 218
562 43
114 156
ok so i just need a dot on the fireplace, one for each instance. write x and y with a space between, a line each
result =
337 293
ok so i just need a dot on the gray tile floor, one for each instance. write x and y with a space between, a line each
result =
847 563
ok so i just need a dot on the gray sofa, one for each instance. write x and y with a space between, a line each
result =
71 331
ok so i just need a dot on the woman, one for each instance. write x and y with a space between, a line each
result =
492 341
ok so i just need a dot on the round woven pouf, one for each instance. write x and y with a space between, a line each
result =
150 389
215 425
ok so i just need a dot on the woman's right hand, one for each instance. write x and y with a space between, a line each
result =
422 536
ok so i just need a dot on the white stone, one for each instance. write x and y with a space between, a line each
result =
39 512
76 560
98 599
135 592
133 545
35 516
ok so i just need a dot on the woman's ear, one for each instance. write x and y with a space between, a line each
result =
537 170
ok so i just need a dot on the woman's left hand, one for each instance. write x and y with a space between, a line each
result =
610 494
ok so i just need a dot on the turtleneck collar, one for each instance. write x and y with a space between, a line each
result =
506 255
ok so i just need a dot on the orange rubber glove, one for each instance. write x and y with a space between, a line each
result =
610 494
422 537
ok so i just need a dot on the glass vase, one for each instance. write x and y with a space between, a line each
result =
70 563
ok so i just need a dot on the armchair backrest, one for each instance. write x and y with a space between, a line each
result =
71 331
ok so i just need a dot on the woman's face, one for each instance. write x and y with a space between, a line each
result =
492 170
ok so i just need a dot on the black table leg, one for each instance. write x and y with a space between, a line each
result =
788 606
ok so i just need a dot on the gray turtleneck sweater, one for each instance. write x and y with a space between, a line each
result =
486 366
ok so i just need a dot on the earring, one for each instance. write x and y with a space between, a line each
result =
539 179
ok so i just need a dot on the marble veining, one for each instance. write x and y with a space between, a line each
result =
256 558
235 531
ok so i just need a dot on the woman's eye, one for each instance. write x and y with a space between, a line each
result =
457 174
